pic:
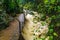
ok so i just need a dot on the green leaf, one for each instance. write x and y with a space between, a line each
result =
12 4
50 30
46 1
50 37
58 8
53 1
55 34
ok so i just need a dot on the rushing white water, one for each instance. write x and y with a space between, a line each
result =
31 27
31 30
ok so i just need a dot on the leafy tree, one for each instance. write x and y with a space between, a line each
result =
8 10
4 17
12 7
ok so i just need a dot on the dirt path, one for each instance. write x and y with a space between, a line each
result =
11 33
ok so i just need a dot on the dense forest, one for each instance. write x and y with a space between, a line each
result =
50 9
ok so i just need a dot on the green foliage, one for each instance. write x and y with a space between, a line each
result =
50 37
12 6
29 6
4 20
55 34
4 17
8 10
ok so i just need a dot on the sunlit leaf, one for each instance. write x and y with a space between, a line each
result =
50 37
55 34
